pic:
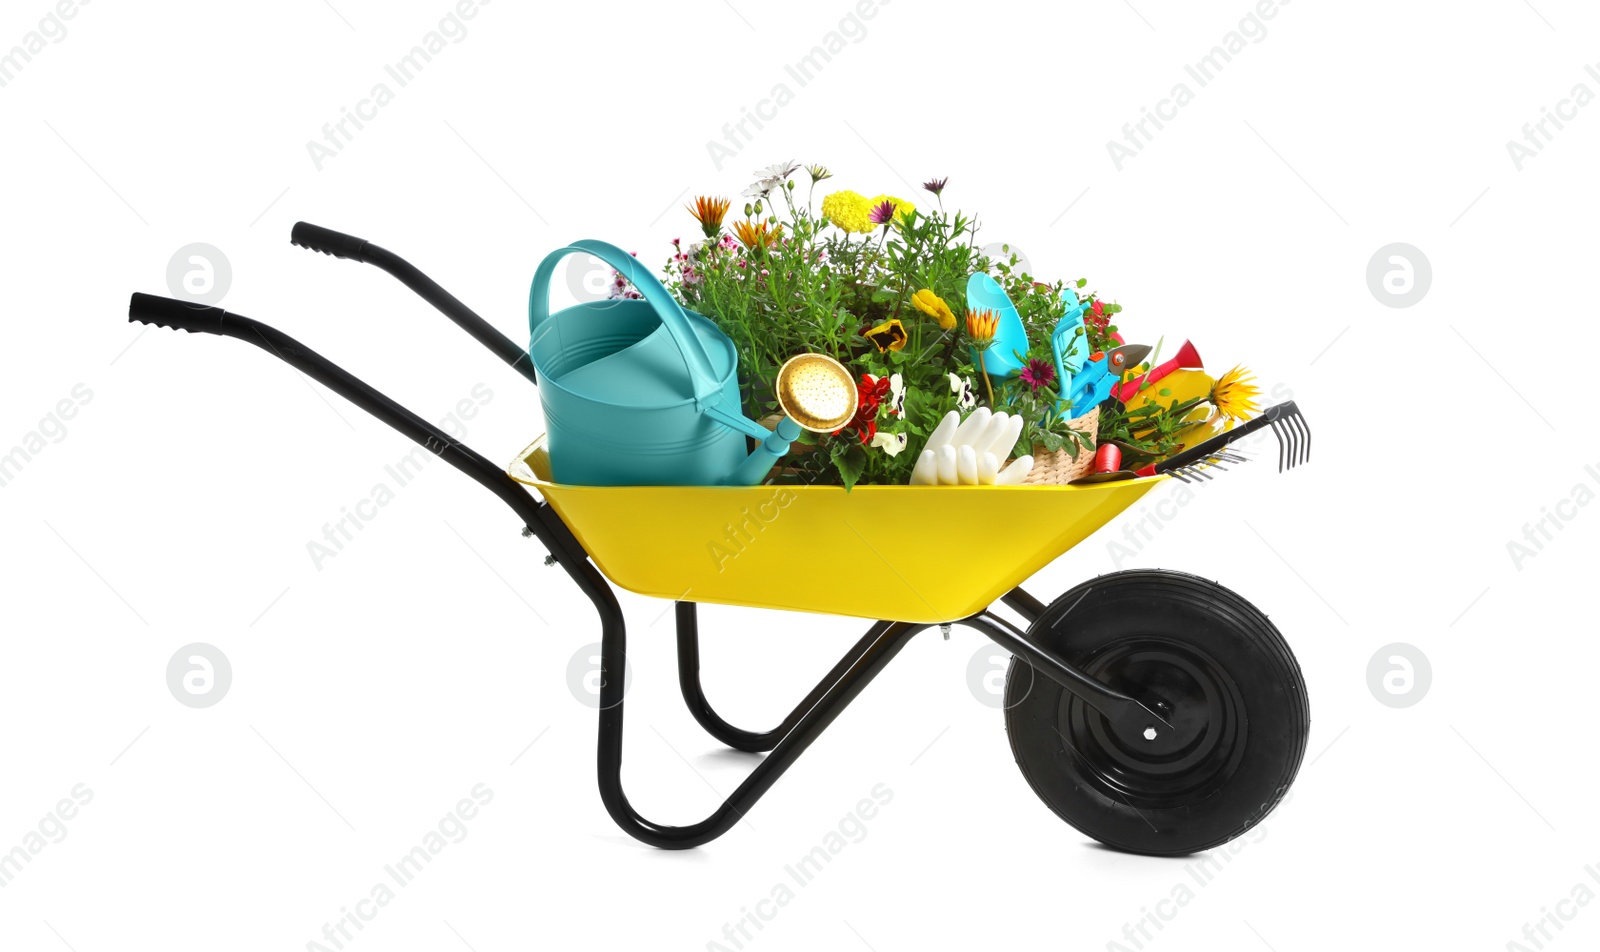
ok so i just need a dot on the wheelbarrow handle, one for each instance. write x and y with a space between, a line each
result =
175 315
537 516
328 241
341 245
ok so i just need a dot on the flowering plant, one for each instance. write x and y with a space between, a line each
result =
880 285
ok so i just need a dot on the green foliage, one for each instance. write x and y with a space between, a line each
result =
819 289
1148 432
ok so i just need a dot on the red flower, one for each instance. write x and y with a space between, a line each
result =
869 395
871 392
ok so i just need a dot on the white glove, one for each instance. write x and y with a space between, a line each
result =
969 452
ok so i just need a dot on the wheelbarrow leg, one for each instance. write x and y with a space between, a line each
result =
694 695
863 663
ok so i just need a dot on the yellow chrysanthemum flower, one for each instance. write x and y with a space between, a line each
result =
933 305
849 210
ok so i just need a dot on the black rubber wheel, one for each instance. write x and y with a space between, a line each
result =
1203 657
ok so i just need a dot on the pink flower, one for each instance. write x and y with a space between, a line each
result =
1038 374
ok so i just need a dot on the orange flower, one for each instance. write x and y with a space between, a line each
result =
755 235
709 212
981 325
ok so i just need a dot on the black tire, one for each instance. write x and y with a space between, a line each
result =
1211 663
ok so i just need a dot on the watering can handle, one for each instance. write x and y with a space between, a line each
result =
695 360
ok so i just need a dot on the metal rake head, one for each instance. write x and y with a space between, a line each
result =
1288 425
1196 471
1293 433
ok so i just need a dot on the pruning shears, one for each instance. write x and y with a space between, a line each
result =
1100 373
1085 378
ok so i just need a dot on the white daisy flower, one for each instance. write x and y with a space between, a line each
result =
772 177
779 170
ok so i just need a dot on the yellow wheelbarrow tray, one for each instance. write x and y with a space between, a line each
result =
1152 710
926 554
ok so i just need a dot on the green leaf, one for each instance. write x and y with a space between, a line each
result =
851 461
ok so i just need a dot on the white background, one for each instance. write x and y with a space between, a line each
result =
372 694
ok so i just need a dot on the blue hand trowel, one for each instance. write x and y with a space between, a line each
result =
1001 358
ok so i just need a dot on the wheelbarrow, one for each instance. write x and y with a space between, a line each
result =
1154 711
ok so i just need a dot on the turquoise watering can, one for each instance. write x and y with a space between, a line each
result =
641 392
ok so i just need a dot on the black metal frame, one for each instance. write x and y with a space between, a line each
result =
785 743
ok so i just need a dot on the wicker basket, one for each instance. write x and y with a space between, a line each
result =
1059 468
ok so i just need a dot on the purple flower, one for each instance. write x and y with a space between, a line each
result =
882 212
1038 373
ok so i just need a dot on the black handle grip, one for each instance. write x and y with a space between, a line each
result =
328 241
539 518
340 245
178 315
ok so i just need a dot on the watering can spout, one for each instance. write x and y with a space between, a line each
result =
759 463
815 393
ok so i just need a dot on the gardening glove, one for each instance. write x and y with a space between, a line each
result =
969 452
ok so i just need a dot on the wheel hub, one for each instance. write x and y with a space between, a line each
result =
1196 698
